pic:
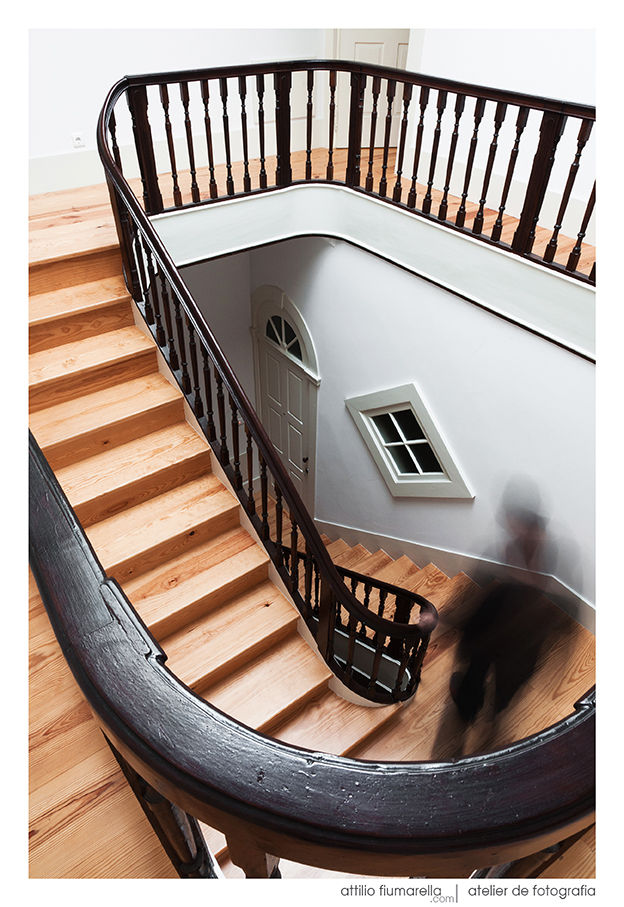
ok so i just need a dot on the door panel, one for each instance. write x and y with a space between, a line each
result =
385 47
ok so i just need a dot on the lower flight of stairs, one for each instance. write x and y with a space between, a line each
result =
163 524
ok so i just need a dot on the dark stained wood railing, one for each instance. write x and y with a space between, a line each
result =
486 172
185 760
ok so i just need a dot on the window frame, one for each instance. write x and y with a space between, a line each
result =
448 484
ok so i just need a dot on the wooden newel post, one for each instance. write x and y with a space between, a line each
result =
137 103
283 172
551 130
358 84
324 639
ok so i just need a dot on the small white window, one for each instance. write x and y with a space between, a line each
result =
406 444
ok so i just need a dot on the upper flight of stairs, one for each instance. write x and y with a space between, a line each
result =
163 524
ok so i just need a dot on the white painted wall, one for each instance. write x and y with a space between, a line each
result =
71 71
506 401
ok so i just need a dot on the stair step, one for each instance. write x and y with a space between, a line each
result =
429 582
336 548
90 424
117 479
63 241
49 275
88 365
178 592
138 539
224 639
352 557
333 725
73 313
265 692
371 565
399 573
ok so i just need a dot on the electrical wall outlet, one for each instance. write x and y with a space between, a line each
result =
78 140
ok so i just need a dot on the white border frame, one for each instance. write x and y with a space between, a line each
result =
450 485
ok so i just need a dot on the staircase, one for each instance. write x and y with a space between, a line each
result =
162 523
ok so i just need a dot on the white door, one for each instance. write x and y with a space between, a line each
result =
382 46
287 400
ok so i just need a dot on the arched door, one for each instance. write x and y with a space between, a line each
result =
286 385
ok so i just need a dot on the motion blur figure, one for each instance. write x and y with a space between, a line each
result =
504 634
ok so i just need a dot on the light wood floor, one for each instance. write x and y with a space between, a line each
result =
85 821
66 208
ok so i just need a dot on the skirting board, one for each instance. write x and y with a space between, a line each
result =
452 562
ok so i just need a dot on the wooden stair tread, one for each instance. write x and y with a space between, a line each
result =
373 563
429 581
221 640
64 430
70 240
336 548
398 573
124 475
87 297
81 355
180 590
351 557
136 539
265 691
333 725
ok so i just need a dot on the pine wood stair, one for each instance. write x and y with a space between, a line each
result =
166 528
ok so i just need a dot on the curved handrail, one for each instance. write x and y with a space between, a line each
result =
323 809
334 592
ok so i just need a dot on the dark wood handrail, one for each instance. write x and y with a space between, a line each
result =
402 816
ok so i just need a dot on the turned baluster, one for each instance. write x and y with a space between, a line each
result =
210 426
198 407
224 454
575 254
238 477
332 118
317 588
460 103
310 86
367 594
283 170
424 99
583 136
403 652
264 497
112 128
351 624
260 93
407 96
140 260
278 523
380 641
188 128
442 96
173 355
164 100
242 91
294 556
478 116
521 121
205 93
307 579
373 126
186 380
251 503
383 595
229 182
153 292
499 117
383 183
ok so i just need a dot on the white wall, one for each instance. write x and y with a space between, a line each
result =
71 71
506 401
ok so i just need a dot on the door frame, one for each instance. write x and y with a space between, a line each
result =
270 300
